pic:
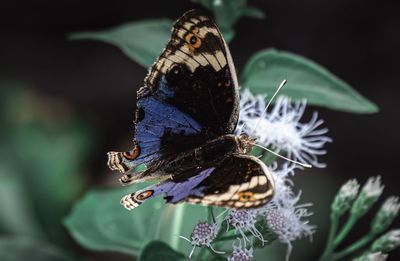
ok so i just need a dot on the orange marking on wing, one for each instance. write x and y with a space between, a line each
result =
246 196
134 154
145 194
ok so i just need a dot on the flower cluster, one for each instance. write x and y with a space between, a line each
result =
281 130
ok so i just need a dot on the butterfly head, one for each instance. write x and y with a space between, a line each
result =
245 143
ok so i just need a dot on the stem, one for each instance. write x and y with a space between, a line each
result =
177 225
354 247
234 236
330 244
345 230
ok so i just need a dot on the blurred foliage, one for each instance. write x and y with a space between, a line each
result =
43 150
159 251
20 248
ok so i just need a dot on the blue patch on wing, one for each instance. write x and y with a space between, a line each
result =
163 90
159 118
175 191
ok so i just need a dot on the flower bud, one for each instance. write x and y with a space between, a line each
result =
376 256
387 242
385 216
345 197
368 196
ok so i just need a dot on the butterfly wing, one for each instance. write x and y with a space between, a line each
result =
240 181
195 73
154 120
190 95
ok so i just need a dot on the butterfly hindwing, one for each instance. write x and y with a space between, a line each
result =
196 74
240 181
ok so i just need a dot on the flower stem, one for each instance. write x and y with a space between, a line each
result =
345 230
354 247
230 237
329 244
177 225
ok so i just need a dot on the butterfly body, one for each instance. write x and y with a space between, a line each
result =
187 112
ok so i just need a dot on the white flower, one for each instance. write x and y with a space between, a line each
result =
345 197
283 184
287 222
203 234
281 128
244 221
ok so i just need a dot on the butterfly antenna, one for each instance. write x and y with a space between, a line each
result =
276 154
269 103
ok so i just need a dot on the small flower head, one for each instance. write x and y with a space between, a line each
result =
385 216
345 197
368 196
376 256
387 242
203 234
241 254
281 128
286 221
244 221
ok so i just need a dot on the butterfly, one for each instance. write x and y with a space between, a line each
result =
186 114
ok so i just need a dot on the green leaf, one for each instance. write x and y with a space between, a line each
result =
159 251
142 41
99 222
227 13
306 79
22 249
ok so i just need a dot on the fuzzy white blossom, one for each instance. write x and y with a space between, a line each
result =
281 128
284 216
289 221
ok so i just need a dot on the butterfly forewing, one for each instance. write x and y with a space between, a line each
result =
196 74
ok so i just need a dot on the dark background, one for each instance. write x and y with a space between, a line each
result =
356 40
